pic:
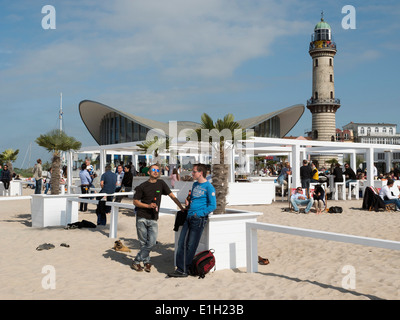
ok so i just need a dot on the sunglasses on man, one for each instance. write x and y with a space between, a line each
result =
155 170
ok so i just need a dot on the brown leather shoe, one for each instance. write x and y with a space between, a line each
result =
136 266
147 267
263 261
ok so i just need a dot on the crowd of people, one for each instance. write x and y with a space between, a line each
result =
310 173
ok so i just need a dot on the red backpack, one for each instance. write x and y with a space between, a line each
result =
202 263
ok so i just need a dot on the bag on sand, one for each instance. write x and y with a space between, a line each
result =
202 263
335 210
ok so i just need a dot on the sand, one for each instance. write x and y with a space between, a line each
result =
300 268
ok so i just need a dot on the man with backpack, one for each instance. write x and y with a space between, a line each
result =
202 203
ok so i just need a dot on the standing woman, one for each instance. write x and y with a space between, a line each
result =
174 177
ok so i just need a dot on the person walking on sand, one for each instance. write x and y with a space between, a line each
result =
202 203
37 175
147 200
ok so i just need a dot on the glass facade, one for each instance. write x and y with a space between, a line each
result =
115 128
269 128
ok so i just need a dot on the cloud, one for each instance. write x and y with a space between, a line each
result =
208 38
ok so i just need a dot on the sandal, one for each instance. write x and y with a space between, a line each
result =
262 261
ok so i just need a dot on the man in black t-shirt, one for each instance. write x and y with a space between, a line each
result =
147 200
305 175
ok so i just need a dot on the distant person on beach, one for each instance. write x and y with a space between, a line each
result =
86 180
90 169
284 176
108 181
147 200
338 173
319 198
37 175
126 183
387 195
305 175
48 179
5 177
349 174
174 177
202 203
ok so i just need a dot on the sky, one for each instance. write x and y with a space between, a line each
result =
173 60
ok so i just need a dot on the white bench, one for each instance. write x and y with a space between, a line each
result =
115 211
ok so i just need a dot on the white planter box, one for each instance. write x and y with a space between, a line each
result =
250 193
226 234
51 210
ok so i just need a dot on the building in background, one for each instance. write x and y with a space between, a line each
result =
111 126
376 133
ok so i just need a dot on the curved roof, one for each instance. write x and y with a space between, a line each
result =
322 25
93 112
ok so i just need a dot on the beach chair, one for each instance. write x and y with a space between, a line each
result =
292 191
372 200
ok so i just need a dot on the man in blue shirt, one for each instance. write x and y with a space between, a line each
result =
202 203
108 182
85 185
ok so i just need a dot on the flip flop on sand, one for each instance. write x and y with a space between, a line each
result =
64 245
45 246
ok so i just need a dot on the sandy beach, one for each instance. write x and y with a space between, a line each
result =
300 268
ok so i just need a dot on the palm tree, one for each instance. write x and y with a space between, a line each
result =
220 131
56 141
154 146
8 156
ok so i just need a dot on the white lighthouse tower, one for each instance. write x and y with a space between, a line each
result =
323 104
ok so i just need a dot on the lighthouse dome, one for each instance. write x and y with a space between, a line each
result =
322 25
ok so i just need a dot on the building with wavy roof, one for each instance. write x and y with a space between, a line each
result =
108 125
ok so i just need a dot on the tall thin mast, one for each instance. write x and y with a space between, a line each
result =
61 113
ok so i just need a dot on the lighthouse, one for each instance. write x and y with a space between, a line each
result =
323 103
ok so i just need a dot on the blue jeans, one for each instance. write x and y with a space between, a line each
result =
147 231
47 187
308 202
38 188
305 183
188 241
396 201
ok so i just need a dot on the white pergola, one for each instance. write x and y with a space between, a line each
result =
300 149
296 150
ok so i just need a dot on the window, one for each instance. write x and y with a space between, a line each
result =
316 95
384 130
331 94
316 62
391 130
330 62
362 130
331 78
369 130
376 129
